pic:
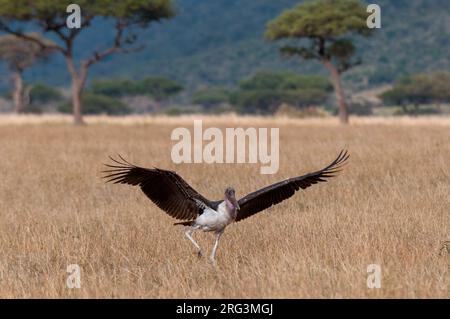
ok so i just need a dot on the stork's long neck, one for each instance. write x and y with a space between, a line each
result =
230 208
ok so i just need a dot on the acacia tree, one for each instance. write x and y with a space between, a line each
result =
324 23
50 16
20 54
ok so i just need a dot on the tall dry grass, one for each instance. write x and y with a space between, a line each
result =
389 207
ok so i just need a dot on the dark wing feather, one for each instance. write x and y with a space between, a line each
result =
165 188
271 195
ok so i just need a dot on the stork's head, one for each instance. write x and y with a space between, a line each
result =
230 198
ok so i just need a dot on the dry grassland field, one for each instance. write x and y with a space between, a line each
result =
390 206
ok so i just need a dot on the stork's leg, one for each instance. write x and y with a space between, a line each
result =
216 244
188 234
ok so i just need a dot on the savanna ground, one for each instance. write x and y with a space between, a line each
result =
390 206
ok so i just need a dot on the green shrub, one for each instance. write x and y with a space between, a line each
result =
265 91
363 109
266 80
415 110
114 88
211 97
98 104
42 94
175 111
413 92
267 101
158 87
257 101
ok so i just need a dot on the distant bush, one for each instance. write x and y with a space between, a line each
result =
221 109
257 101
265 80
33 109
211 97
175 111
267 101
358 108
265 91
416 110
43 94
39 97
411 92
98 104
361 108
306 97
114 88
157 87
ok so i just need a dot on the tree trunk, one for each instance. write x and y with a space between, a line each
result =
339 91
26 95
18 92
157 106
78 82
77 104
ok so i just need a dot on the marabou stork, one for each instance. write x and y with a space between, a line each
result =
176 197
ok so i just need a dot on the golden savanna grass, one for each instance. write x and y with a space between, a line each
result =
390 206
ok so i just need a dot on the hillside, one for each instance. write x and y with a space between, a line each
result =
219 42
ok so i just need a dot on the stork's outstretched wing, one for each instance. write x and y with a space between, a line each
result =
166 189
271 195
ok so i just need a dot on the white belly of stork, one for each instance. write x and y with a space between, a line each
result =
214 220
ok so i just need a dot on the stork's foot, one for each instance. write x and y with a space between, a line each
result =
199 254
213 261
